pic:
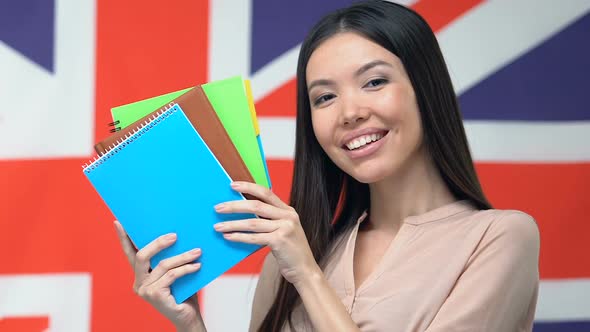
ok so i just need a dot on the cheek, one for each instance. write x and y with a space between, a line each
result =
411 129
402 109
321 128
412 118
399 111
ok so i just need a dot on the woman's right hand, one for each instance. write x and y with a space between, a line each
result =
154 286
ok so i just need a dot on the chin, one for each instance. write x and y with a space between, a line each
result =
368 179
370 175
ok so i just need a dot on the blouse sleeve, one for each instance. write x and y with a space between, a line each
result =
497 290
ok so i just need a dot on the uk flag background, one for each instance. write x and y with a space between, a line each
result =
520 68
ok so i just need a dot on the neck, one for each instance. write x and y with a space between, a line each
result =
414 190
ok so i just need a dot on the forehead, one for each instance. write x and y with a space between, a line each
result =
344 53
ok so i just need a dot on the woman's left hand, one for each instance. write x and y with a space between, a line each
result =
280 230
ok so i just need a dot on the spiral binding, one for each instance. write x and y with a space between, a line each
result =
120 144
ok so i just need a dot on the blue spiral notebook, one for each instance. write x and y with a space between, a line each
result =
167 180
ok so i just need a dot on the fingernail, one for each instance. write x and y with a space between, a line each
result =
195 251
218 226
219 207
196 265
235 185
170 237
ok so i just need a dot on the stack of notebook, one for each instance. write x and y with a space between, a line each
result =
170 160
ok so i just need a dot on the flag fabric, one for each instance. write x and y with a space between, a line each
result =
520 69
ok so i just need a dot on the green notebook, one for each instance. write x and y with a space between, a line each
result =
127 114
230 100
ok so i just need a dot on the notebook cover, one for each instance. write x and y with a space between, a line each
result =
163 179
125 115
256 128
230 101
240 139
203 117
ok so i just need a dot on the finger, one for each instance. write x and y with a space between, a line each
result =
171 263
258 208
172 275
126 244
248 225
264 194
262 239
143 256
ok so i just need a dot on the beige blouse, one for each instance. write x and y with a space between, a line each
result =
454 268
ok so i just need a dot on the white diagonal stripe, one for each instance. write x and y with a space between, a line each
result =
51 115
502 141
275 74
283 68
406 3
475 45
496 32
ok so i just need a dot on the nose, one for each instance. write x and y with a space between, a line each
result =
352 111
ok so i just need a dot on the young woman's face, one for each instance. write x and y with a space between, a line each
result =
363 107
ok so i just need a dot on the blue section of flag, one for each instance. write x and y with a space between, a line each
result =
549 83
278 26
562 327
28 26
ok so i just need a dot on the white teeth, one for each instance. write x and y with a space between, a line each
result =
363 140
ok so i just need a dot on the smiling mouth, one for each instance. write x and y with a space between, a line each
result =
363 141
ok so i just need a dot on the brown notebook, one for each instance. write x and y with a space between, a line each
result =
201 114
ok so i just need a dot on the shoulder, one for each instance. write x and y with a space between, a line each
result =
513 223
515 231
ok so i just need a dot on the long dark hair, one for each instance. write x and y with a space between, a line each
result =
330 201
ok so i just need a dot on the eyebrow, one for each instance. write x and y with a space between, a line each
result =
370 65
357 73
319 83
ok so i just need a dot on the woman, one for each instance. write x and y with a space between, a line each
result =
388 228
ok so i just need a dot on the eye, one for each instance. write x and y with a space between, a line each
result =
376 82
322 99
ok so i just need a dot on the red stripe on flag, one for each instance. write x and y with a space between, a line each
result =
144 49
57 223
440 13
51 216
252 264
24 324
281 102
147 49
281 174
554 194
